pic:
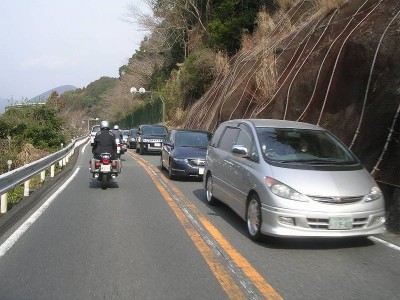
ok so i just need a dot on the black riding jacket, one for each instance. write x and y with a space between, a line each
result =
104 141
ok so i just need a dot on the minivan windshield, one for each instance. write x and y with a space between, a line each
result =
154 130
305 146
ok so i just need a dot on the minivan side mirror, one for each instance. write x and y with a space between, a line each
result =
240 151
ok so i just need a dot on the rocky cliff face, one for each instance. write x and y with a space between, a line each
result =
339 69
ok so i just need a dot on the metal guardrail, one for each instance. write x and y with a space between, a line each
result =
22 175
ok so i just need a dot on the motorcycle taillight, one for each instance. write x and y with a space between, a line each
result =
114 163
106 161
97 164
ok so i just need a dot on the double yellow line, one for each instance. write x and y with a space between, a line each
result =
229 285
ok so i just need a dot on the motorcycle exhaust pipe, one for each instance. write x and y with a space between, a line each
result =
113 176
96 175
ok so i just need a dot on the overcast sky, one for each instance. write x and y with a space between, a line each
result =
45 44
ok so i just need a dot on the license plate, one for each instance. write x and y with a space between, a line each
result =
340 223
157 144
105 168
201 171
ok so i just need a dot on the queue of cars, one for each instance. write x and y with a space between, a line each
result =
283 178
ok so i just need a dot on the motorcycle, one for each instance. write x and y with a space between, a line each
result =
121 147
104 168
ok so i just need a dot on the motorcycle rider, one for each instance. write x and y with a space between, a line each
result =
104 141
117 133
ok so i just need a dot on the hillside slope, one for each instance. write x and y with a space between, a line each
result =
59 90
337 68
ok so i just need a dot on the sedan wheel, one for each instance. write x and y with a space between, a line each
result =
253 218
209 191
170 175
161 163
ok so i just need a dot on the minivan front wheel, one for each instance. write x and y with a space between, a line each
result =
209 191
253 217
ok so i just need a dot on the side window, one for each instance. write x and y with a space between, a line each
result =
245 138
228 138
216 136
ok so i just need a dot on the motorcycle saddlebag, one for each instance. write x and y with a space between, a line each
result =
119 165
92 165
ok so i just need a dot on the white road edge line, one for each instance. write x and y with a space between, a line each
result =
25 226
390 245
84 147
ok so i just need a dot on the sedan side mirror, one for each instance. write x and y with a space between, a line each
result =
169 144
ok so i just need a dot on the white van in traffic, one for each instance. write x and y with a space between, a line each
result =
287 178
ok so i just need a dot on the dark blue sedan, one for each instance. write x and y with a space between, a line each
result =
183 153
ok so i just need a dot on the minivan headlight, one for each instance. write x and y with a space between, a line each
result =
282 190
374 194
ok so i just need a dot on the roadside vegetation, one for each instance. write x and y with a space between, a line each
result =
29 132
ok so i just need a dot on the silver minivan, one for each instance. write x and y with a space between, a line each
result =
287 178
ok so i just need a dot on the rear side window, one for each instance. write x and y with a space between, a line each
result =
217 136
229 138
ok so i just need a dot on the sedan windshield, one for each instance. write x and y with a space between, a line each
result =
314 147
192 139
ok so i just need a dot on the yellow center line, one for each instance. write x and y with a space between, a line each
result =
226 281
256 278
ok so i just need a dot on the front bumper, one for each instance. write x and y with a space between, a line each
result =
150 147
186 169
317 224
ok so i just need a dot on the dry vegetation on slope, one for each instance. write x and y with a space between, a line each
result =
336 64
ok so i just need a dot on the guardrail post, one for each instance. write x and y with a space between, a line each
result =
3 208
42 175
26 188
52 171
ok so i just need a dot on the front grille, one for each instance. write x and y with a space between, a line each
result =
337 200
324 223
197 162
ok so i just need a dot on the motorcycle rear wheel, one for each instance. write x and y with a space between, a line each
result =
104 181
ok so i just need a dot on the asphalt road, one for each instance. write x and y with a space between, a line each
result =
147 237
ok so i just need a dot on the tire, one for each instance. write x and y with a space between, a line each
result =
209 191
161 163
254 218
141 151
104 181
170 175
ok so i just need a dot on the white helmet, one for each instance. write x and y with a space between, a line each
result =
104 125
116 127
